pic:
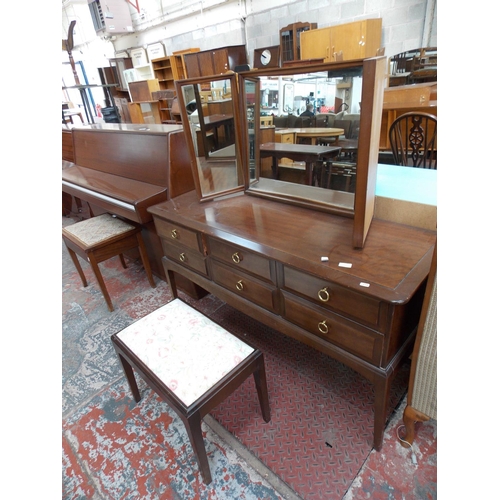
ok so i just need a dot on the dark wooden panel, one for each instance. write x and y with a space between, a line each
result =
142 157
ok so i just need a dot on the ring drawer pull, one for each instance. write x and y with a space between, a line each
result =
182 257
323 295
239 285
174 234
236 258
323 327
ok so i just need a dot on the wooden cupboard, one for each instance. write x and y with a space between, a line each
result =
357 40
214 61
290 37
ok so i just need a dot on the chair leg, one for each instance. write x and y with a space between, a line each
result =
74 258
122 260
259 376
193 427
129 374
145 260
100 280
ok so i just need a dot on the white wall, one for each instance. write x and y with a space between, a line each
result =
206 24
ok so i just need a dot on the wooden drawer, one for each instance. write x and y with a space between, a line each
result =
287 138
348 335
243 285
184 256
241 258
337 298
178 234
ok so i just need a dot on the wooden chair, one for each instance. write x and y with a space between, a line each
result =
98 239
192 363
413 138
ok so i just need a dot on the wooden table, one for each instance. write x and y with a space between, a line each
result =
314 133
297 152
263 257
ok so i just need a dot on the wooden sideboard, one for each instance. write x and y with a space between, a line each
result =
267 259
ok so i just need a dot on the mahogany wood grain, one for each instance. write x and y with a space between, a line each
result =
370 316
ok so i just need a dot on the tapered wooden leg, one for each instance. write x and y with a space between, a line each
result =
193 427
171 282
122 260
382 390
100 281
145 260
74 258
129 374
261 384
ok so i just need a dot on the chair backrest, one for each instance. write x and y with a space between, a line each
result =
346 125
413 138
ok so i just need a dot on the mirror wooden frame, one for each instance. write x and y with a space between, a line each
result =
373 74
242 181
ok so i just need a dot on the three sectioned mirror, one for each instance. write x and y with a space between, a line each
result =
211 121
327 161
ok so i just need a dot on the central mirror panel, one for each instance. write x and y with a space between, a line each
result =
211 121
309 132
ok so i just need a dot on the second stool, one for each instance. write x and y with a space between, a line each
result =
98 239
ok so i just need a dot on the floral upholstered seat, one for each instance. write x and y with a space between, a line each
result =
192 363
185 349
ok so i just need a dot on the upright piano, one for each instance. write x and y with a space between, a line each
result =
123 169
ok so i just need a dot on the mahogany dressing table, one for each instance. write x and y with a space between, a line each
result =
309 262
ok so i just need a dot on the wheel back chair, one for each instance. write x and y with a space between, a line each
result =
413 138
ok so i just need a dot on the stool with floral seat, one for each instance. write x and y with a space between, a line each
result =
192 363
98 239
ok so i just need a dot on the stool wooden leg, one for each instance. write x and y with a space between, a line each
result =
145 260
259 376
122 260
74 258
100 281
193 427
129 374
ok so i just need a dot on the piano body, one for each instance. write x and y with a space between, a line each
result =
124 169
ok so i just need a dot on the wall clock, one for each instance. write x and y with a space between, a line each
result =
266 57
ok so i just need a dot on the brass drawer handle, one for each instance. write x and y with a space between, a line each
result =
174 234
239 286
323 327
323 295
182 257
236 258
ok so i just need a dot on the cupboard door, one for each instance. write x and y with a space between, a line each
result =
358 40
316 44
220 61
191 62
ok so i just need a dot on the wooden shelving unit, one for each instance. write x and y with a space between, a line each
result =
163 72
167 106
178 64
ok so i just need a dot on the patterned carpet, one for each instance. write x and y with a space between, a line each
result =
317 445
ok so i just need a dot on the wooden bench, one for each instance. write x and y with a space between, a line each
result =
192 363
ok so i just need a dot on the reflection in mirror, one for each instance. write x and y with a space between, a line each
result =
309 158
209 115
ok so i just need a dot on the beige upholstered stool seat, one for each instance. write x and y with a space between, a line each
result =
98 239
192 363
